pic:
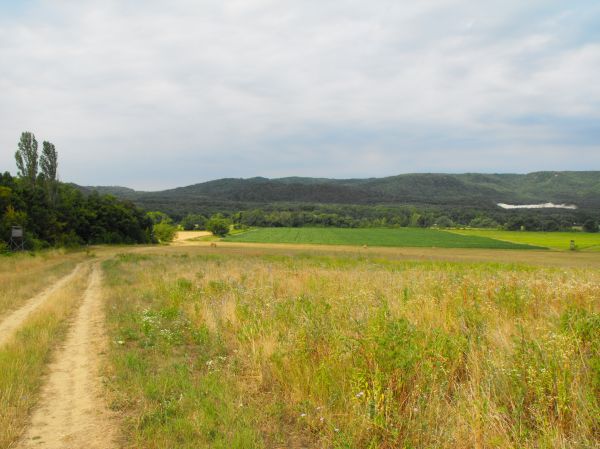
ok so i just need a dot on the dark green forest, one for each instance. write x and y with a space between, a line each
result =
421 200
56 214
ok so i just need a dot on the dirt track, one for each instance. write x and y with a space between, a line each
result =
12 322
71 412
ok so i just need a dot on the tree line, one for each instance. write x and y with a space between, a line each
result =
400 216
56 214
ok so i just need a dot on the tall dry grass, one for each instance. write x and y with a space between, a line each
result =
345 352
24 275
23 358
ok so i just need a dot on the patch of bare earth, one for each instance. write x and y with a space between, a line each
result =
13 322
183 236
71 412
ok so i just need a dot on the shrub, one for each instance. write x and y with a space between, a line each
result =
164 232
218 225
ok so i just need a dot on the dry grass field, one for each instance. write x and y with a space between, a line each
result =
299 346
23 275
222 349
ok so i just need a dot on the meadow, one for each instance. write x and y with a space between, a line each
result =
212 348
397 237
555 240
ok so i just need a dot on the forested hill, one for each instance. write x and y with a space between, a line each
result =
466 190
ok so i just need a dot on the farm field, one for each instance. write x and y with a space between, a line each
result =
243 346
398 237
556 240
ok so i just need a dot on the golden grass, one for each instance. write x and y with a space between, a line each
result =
346 351
23 358
24 275
529 257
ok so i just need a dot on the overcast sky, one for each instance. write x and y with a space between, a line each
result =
153 94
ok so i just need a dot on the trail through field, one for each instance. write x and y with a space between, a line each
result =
12 322
72 412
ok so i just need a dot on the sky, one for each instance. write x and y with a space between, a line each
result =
153 94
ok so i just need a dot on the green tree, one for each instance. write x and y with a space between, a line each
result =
483 222
193 221
26 157
49 167
218 225
590 226
164 232
159 217
444 222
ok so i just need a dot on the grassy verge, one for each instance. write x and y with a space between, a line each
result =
22 360
322 351
24 275
399 237
557 240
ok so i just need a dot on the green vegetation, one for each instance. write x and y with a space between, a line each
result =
268 351
218 225
556 240
163 230
193 222
406 200
408 237
58 214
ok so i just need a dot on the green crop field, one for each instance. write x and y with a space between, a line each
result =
400 237
556 240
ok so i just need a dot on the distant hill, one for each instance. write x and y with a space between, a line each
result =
462 190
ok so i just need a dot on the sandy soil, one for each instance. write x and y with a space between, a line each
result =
12 322
182 236
71 413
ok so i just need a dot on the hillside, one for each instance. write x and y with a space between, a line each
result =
482 191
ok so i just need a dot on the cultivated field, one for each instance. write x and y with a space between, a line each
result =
556 240
243 346
398 237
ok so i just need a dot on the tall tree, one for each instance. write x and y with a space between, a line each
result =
27 157
49 166
49 161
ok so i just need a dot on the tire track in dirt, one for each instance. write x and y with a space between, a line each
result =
13 322
72 413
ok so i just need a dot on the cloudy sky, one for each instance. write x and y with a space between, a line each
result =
153 94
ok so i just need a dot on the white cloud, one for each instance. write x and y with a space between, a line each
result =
198 90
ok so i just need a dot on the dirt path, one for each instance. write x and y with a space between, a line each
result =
12 322
71 413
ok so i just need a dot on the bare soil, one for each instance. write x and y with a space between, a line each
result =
183 236
71 412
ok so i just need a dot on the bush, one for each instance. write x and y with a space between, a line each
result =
218 225
164 232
